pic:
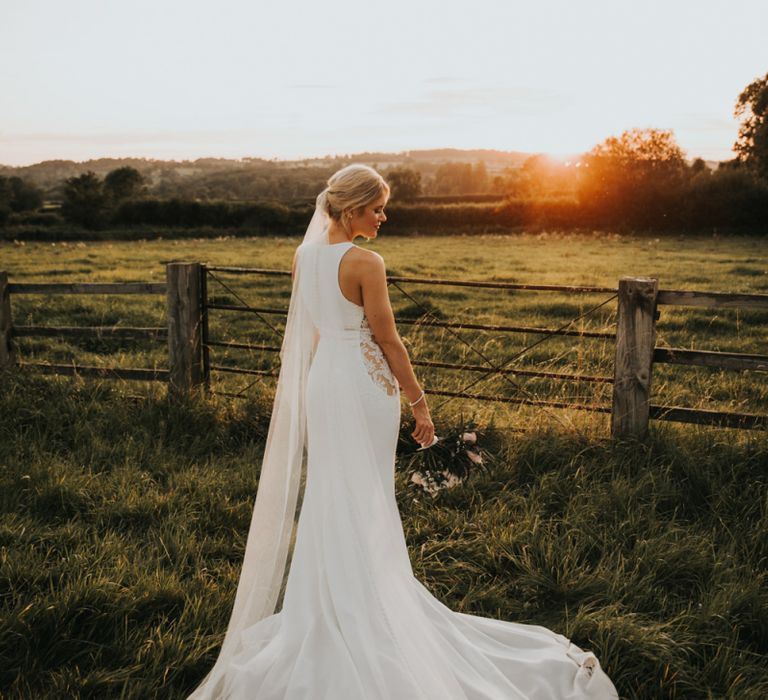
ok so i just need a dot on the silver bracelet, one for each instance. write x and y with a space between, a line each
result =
417 400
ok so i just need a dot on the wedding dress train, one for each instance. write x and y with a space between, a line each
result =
355 623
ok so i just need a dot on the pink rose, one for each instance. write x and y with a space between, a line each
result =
473 457
451 480
417 478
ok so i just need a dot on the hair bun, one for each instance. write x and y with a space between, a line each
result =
352 187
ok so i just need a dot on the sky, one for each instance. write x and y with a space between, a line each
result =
184 79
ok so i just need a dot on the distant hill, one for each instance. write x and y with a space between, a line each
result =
430 159
247 179
50 173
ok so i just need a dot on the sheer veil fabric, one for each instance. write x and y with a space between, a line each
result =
269 535
355 624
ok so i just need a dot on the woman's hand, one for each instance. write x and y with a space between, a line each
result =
424 433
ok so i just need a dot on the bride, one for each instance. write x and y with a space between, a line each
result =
355 624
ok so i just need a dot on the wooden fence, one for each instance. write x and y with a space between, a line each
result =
189 366
182 290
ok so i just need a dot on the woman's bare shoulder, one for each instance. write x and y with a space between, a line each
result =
366 266
365 258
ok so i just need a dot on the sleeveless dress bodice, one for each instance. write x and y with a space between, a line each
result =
339 319
322 293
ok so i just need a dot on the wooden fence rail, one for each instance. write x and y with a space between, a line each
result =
189 365
182 331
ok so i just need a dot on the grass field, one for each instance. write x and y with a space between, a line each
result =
727 264
123 515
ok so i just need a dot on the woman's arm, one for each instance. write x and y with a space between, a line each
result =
381 319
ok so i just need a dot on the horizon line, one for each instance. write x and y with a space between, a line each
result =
327 156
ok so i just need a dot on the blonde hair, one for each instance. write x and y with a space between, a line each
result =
352 187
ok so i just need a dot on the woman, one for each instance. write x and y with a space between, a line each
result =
355 624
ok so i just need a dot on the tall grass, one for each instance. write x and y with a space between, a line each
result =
123 524
123 515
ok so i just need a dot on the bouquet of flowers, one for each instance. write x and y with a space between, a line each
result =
447 462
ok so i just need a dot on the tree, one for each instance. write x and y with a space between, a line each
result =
17 195
480 176
542 176
633 178
405 183
752 143
699 166
123 183
455 177
5 199
652 146
25 196
85 201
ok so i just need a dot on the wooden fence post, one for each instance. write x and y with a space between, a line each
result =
635 340
6 350
184 324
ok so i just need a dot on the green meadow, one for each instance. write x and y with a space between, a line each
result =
714 264
123 515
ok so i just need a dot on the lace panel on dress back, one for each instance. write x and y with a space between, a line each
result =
375 362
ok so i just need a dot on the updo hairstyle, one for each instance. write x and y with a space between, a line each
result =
352 187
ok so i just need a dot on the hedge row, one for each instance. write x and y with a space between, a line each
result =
727 203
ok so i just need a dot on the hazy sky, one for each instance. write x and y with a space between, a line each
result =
184 79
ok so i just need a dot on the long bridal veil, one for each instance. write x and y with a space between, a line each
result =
274 512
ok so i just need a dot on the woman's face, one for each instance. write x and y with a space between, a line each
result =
366 220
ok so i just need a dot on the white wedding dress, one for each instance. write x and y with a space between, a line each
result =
355 623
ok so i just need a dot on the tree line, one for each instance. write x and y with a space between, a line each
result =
638 180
